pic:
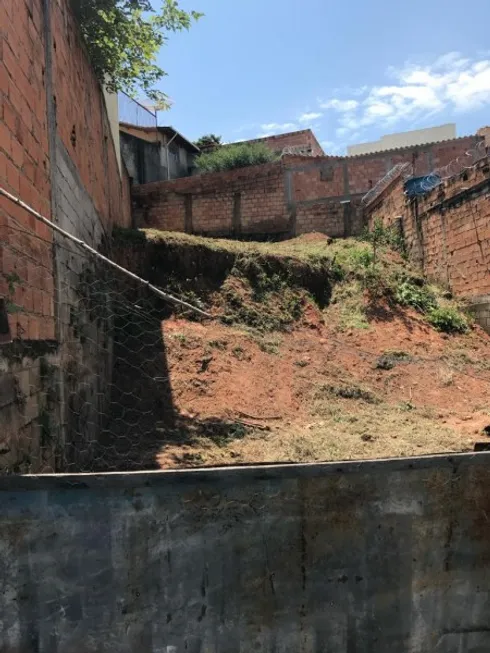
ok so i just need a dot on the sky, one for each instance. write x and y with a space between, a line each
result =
351 70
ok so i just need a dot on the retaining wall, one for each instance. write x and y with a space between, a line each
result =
347 557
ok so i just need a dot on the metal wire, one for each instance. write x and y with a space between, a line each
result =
385 181
457 166
167 297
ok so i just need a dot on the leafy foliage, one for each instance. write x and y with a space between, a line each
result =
208 141
381 236
420 298
448 319
123 38
234 156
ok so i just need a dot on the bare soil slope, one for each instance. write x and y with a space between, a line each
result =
319 353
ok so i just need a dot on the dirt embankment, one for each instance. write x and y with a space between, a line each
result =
316 356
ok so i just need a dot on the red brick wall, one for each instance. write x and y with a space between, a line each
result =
67 170
301 138
214 200
447 231
304 193
82 119
24 151
24 168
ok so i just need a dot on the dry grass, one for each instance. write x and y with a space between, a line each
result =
341 431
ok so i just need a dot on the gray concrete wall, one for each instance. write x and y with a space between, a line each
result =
479 307
84 316
357 557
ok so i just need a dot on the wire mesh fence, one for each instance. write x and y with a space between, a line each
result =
134 113
84 377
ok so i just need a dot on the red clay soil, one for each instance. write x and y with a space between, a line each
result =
223 373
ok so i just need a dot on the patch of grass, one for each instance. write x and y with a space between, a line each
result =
448 320
264 309
361 258
301 363
349 306
239 353
389 359
218 344
180 337
348 392
269 345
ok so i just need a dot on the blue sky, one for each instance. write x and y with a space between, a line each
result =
351 70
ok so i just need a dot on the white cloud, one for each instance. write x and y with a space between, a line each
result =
309 117
271 128
451 83
342 106
331 147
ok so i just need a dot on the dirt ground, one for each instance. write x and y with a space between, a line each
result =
318 352
397 388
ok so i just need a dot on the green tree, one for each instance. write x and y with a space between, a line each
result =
123 38
208 141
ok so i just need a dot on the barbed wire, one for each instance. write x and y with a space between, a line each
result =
428 182
385 181
456 167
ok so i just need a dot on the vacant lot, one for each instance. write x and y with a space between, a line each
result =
317 353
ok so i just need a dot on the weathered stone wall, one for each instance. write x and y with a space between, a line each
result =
347 557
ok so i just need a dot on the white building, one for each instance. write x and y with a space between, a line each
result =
405 139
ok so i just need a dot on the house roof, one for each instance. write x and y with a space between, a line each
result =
169 131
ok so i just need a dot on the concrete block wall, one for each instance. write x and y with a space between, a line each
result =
57 154
479 306
348 557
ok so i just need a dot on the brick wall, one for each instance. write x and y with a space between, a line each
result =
303 138
447 231
299 194
245 201
57 155
82 121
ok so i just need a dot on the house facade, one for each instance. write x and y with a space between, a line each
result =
155 153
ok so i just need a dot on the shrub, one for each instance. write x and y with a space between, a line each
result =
234 156
383 236
361 258
448 319
420 298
